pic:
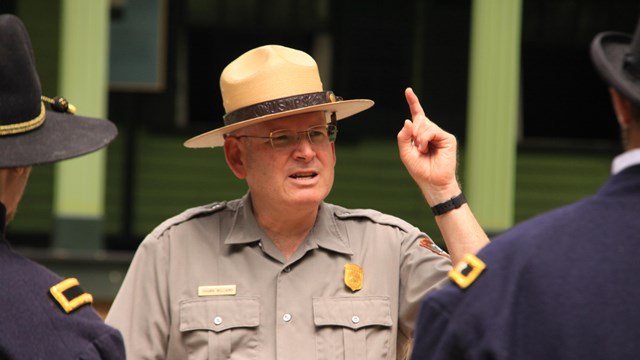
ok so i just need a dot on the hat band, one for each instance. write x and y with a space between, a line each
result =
279 105
24 126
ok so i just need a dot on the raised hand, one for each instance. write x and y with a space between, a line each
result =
429 154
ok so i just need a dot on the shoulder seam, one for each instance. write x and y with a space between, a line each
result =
186 216
376 217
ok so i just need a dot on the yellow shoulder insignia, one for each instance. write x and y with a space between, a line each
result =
69 294
467 271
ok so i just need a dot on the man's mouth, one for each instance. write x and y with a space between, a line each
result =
307 175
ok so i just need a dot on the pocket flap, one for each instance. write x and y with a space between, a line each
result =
219 314
353 313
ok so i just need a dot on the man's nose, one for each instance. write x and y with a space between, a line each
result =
304 149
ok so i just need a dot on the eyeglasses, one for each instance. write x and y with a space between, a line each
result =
282 139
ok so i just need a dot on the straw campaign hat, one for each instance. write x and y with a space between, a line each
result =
616 56
271 82
29 133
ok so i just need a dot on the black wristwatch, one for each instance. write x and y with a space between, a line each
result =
445 207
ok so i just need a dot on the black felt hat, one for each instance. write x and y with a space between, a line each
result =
616 56
29 133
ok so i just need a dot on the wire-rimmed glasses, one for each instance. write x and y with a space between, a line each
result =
283 139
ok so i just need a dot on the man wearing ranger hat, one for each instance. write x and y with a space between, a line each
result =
563 285
41 315
279 273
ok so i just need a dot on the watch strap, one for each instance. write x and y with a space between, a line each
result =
451 204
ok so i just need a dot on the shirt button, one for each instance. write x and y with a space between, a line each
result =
217 320
287 269
355 319
286 317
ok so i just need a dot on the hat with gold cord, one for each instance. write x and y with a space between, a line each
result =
30 134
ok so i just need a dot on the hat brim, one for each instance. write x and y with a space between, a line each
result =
61 136
608 51
343 110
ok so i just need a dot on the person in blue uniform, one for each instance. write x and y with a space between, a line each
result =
563 285
42 316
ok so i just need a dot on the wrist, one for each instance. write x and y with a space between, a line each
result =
435 196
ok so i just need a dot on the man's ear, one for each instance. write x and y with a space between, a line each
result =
234 151
22 171
622 107
333 150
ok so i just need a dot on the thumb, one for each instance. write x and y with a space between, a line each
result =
405 140
404 136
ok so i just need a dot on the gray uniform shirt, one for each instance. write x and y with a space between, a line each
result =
210 284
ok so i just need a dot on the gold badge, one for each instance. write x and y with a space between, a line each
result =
353 276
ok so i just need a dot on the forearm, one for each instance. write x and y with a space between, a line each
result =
459 228
461 232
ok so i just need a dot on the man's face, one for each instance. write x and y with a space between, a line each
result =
300 175
12 184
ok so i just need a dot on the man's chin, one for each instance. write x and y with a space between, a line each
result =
307 202
9 217
308 199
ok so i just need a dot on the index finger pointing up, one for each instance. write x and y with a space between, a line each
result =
414 103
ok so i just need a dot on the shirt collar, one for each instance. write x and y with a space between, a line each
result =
325 233
244 229
625 160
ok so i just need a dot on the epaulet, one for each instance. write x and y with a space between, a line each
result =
467 271
70 295
187 215
389 220
374 216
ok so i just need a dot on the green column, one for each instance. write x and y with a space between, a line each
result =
79 184
494 88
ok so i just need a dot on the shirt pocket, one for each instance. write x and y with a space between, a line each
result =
220 328
352 328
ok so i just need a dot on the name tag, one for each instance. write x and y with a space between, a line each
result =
218 290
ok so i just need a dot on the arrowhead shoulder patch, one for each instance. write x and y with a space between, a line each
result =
431 246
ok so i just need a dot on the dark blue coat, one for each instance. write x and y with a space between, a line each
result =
564 285
34 326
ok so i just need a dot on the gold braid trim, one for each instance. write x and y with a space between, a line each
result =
24 126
